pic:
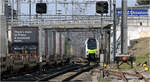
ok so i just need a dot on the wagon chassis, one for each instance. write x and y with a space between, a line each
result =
119 60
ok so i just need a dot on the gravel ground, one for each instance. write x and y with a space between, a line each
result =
86 77
61 77
35 75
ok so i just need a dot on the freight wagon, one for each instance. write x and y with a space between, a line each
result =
24 50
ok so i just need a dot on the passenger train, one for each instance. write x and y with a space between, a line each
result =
92 49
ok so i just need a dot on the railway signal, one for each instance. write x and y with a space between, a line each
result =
102 7
41 8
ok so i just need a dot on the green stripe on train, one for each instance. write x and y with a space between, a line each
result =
92 51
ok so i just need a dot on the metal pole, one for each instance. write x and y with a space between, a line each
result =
102 33
12 12
65 9
102 43
56 6
41 14
124 28
41 66
30 10
110 2
114 30
18 9
109 41
68 43
72 8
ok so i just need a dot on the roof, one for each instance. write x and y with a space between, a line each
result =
138 7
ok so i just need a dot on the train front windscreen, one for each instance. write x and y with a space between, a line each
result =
92 44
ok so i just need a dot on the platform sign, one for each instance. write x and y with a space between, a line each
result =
24 35
134 12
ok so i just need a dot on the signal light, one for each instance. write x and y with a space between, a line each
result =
41 8
144 65
101 7
105 65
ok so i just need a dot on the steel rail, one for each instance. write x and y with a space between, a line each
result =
33 71
61 72
118 74
146 80
121 76
80 72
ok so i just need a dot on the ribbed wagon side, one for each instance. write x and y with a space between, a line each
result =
55 47
50 47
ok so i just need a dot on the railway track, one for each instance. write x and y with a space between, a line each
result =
19 73
80 72
50 73
68 74
123 75
36 75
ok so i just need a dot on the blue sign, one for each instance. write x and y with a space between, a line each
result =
134 12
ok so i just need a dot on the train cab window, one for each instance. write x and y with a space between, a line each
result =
92 44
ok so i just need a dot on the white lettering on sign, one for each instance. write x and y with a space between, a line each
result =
23 36
28 32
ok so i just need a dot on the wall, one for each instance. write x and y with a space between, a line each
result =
136 32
